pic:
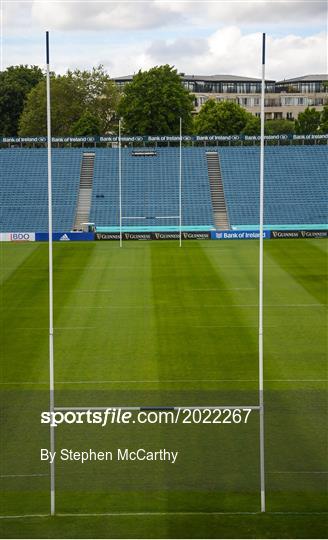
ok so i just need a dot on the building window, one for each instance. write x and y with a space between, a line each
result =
277 115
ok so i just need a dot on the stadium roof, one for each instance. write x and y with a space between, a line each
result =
306 78
212 78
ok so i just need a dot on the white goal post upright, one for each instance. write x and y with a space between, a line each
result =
261 401
180 184
120 176
51 316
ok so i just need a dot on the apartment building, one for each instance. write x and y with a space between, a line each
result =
283 99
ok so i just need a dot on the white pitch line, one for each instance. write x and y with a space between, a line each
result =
230 326
57 328
75 327
296 380
298 472
25 516
151 306
149 514
265 305
85 290
190 326
47 475
225 289
135 267
21 475
41 475
152 381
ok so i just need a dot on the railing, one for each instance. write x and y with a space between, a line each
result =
154 140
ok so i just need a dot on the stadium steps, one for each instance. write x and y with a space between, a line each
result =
221 220
85 191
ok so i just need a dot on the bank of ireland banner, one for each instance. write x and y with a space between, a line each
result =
163 138
239 235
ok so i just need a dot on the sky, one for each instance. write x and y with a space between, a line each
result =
203 37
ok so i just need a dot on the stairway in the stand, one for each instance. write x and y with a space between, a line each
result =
85 191
221 219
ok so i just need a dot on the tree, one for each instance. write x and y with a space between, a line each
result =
279 127
307 122
15 84
324 120
72 96
66 108
154 101
253 126
223 118
100 95
87 124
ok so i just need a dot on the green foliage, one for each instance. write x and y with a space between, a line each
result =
271 127
223 118
100 95
307 122
87 124
253 126
15 84
66 108
279 127
324 120
154 101
72 96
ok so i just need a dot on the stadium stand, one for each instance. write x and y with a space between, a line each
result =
150 188
24 189
295 186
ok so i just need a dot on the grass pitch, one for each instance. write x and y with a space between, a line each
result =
154 325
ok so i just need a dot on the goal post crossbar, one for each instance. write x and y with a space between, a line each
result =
151 217
158 408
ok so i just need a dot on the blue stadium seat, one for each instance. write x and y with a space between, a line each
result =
295 184
295 187
24 188
150 188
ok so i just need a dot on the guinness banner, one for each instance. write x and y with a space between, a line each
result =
276 235
186 235
125 236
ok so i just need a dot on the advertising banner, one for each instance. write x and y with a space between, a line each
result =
239 235
164 138
125 236
196 235
166 235
186 235
17 237
65 237
276 235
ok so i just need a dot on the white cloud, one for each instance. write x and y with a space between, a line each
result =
226 51
156 13
234 47
251 12
102 15
151 14
229 51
